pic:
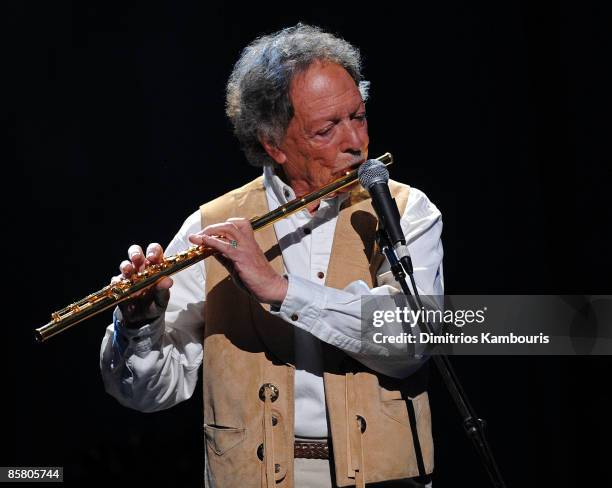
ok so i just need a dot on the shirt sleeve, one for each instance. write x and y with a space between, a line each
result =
156 366
334 316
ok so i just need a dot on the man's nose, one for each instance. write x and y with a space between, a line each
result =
355 138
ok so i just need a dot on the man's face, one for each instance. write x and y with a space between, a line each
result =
328 133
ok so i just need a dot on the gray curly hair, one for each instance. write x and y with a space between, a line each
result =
257 94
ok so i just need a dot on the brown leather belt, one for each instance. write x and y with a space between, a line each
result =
311 450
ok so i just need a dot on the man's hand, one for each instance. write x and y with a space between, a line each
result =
148 304
241 255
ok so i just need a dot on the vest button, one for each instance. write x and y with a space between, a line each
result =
307 230
294 317
274 420
260 452
321 275
277 468
273 392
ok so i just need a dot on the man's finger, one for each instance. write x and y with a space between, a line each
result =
221 245
224 229
126 268
165 283
155 253
136 255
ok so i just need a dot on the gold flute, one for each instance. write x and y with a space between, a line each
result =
113 294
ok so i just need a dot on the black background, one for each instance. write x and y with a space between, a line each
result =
499 111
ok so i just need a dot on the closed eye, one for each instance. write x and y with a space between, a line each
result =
325 131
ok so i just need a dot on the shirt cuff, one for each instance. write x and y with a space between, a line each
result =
305 306
141 339
303 302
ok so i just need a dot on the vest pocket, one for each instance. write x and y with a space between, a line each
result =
393 405
397 410
221 439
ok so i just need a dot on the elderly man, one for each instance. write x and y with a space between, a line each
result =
291 396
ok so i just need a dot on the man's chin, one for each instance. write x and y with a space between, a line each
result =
341 191
348 188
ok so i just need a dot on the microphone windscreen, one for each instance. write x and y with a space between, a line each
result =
371 172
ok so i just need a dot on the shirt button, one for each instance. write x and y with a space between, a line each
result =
294 317
321 275
307 230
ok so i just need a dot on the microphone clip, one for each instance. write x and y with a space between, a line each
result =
398 257
389 252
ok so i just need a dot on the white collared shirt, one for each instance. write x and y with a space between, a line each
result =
156 366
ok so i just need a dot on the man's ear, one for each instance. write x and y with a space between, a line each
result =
273 150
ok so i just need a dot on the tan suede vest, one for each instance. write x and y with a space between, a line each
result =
249 368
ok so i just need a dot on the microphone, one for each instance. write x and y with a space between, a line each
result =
374 177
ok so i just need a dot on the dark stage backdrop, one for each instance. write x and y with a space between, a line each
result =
499 111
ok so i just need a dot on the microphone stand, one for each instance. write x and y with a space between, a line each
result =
473 425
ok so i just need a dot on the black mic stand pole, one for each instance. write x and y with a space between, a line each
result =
473 425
